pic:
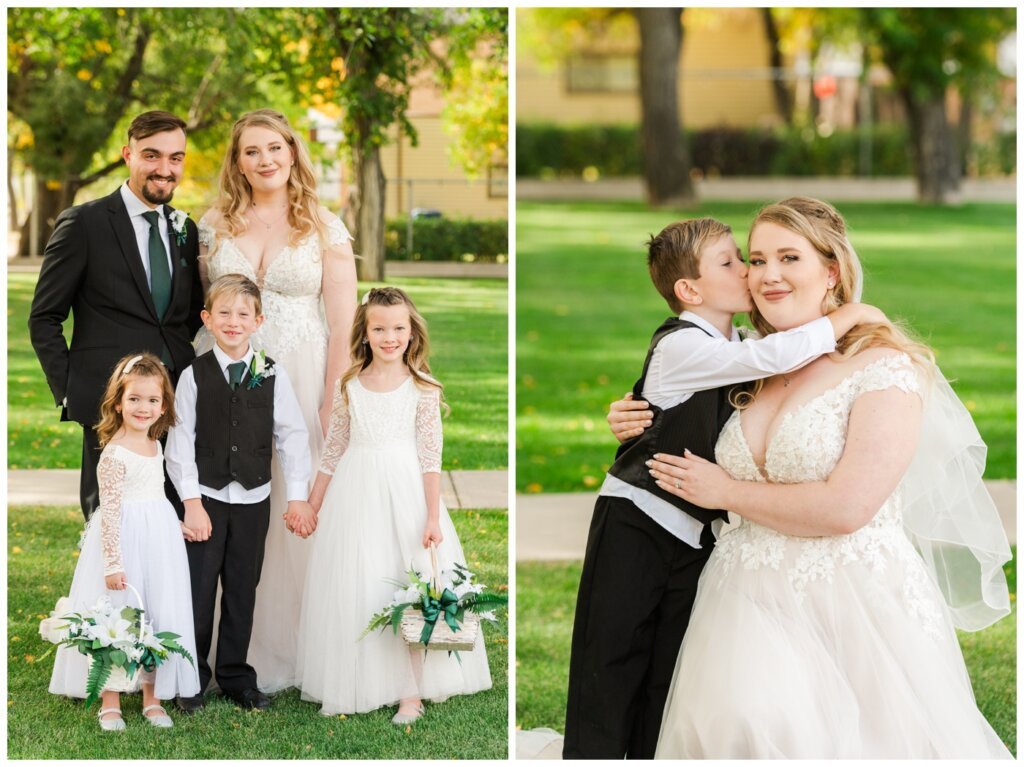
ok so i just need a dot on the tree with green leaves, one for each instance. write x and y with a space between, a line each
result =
929 51
76 77
366 60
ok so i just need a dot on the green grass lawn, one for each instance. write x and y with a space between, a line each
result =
44 726
468 321
546 600
585 311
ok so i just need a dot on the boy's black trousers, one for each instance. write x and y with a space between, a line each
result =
232 556
636 592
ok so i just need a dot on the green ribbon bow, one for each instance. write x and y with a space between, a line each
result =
447 605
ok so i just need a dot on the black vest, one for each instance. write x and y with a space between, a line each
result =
692 425
234 429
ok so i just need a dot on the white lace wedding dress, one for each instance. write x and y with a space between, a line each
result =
134 531
835 647
294 335
369 533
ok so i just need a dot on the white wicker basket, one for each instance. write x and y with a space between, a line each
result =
119 681
442 638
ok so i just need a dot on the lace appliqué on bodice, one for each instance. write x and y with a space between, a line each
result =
290 290
805 448
377 420
123 477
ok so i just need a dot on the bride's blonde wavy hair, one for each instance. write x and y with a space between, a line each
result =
304 216
417 354
823 226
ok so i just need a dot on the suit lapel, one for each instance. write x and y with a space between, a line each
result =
176 270
124 232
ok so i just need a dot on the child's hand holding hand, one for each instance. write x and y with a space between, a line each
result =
432 534
197 520
116 582
300 518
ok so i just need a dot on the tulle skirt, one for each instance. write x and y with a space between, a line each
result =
831 649
370 533
155 563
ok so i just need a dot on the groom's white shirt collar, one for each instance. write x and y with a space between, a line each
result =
137 207
702 323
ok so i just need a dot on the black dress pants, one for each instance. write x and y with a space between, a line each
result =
233 555
636 593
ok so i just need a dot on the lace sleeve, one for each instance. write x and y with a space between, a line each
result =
337 434
337 232
892 370
429 439
111 474
207 234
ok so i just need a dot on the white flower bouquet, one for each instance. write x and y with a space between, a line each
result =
119 641
437 617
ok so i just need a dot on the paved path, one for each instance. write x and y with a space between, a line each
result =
836 190
553 526
59 487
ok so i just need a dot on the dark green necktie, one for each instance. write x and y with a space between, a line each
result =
236 371
159 271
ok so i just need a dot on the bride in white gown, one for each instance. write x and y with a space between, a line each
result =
268 225
824 624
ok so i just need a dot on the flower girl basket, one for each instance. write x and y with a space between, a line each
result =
119 681
442 638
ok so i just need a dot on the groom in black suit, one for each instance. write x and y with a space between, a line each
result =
126 267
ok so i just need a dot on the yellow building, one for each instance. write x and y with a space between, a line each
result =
725 74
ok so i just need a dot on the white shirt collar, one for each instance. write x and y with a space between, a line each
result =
224 360
135 206
702 323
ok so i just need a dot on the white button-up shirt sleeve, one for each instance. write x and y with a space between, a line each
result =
689 360
291 438
180 453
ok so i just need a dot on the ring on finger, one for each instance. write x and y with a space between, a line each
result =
678 485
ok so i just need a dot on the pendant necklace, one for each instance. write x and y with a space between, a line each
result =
262 221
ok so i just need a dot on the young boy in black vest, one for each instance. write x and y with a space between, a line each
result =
646 547
233 406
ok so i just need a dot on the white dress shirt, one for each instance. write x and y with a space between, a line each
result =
290 438
688 361
136 208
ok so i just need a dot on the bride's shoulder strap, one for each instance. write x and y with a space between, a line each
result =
208 227
337 232
885 368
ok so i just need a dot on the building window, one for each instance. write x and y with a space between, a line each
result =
497 181
599 73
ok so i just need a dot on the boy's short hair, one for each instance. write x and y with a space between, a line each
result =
232 286
674 254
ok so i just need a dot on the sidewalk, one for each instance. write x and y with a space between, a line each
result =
59 487
553 526
743 189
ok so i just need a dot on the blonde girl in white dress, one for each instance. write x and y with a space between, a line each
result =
378 497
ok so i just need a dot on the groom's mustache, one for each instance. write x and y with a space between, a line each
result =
155 177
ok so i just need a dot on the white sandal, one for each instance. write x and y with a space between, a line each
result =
401 719
157 721
111 725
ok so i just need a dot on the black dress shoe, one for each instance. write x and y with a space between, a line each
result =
191 705
251 698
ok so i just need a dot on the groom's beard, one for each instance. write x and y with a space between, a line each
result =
158 196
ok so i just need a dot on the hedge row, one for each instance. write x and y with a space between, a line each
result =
614 150
447 239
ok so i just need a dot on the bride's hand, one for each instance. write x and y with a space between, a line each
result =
693 479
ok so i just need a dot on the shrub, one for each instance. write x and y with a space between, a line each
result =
447 239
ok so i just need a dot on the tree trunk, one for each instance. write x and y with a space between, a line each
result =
12 200
666 157
935 153
782 103
47 205
370 215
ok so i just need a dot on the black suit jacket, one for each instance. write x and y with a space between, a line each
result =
93 269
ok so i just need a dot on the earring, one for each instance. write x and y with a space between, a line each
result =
365 341
831 284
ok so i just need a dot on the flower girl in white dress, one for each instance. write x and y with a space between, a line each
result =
377 516
134 537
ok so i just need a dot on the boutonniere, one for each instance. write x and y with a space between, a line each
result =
259 370
177 220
